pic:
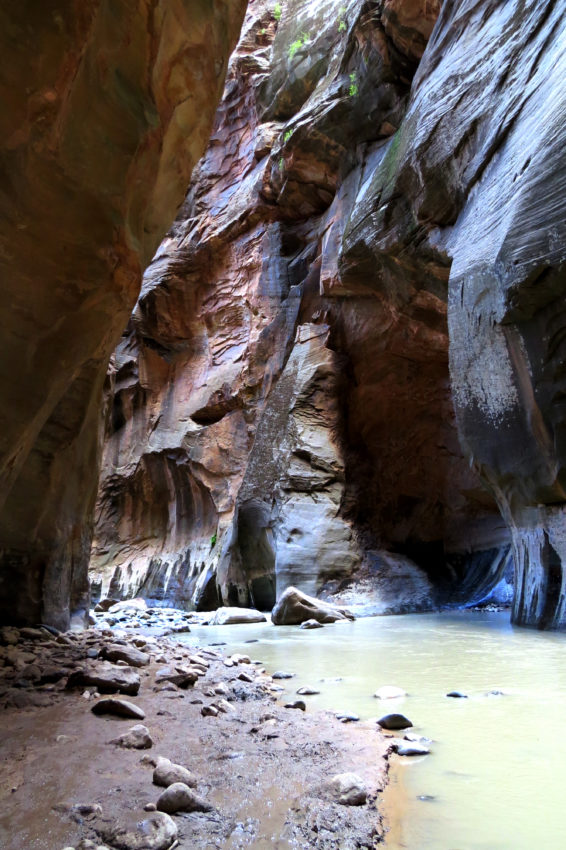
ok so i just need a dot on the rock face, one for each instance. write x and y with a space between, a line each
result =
106 107
472 182
280 408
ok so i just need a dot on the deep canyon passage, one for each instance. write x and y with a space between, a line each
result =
282 347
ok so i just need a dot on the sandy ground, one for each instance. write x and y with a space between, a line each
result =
265 768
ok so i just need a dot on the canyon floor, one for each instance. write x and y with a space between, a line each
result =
65 782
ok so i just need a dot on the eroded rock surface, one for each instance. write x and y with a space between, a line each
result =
280 406
106 106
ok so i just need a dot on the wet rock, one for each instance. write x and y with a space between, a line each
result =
394 722
307 692
136 738
348 789
311 624
295 607
182 677
245 677
298 703
128 606
209 711
281 674
156 832
408 748
345 717
118 708
457 695
224 706
233 616
390 692
105 604
132 656
180 798
237 658
107 679
166 773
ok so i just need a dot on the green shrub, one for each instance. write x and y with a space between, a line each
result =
353 90
277 12
342 26
213 541
287 136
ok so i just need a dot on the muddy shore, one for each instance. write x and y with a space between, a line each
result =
264 769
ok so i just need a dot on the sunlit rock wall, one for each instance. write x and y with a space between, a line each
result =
105 107
280 408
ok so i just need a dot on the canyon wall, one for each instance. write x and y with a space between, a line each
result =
279 408
106 107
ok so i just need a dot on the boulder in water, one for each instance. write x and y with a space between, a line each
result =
235 616
390 692
296 607
394 722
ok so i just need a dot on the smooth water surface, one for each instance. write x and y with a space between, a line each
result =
496 776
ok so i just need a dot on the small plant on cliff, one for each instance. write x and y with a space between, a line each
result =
213 541
277 12
287 136
342 26
300 42
281 164
341 22
353 90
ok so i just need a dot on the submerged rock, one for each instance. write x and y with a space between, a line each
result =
390 692
457 695
295 607
409 748
311 624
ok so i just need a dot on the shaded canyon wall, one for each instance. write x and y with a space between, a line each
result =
106 107
280 409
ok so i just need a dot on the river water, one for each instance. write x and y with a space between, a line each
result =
496 776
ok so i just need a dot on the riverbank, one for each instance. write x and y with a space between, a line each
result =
264 770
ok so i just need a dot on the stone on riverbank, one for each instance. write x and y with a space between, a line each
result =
180 798
119 708
311 624
296 607
107 679
132 656
156 832
136 738
408 748
167 773
348 789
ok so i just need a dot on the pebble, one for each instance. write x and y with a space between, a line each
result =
307 692
394 722
348 789
209 711
180 798
118 707
311 624
280 674
457 695
245 677
136 738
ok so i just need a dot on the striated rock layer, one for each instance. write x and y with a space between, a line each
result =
280 410
106 106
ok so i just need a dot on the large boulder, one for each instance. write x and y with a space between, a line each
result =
233 616
296 607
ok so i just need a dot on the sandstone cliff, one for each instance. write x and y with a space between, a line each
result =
106 106
280 409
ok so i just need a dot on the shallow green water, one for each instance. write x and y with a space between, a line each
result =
497 773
